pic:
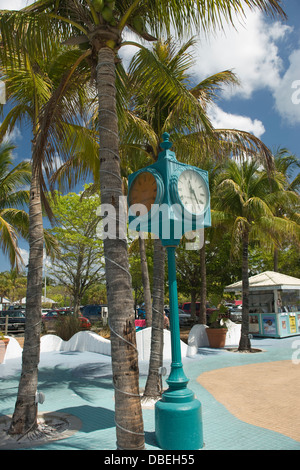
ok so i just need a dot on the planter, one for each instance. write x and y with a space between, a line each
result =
3 345
216 337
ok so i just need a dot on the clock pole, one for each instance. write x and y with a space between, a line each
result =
178 420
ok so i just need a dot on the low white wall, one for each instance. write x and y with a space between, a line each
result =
81 341
198 337
143 340
13 349
92 342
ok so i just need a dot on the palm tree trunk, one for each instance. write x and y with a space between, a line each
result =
153 388
128 411
193 305
25 414
245 344
146 282
202 314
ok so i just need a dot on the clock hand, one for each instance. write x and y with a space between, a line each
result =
192 190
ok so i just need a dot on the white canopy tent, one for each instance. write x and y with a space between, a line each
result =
268 280
45 300
274 304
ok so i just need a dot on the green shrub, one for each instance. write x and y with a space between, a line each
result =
66 326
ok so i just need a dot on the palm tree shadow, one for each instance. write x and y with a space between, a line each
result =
81 382
93 418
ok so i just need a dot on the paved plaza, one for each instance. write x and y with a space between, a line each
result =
249 401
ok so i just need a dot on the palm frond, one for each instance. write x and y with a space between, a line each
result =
9 244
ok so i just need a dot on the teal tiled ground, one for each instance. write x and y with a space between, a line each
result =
85 389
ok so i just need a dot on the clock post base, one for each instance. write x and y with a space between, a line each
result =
178 421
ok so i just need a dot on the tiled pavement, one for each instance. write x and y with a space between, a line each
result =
80 384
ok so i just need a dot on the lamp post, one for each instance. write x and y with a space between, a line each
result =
168 199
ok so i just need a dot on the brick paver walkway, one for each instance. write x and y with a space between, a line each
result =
265 395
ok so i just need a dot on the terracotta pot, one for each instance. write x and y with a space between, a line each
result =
3 345
216 337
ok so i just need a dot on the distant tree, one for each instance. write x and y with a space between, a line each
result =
14 194
13 285
79 265
245 201
287 165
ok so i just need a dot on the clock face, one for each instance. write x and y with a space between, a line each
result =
143 190
192 191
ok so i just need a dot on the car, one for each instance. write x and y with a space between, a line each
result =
16 319
184 318
92 312
85 323
16 308
45 311
235 315
53 314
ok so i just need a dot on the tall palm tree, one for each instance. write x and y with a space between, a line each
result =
286 164
13 195
99 26
36 84
245 202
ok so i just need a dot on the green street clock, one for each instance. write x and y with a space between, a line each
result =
169 198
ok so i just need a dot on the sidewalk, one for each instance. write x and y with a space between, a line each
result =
80 384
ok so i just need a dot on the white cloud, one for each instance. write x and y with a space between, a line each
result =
25 255
14 135
287 93
249 50
222 120
14 4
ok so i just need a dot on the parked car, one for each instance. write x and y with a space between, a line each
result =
16 319
54 315
85 323
235 314
209 309
45 311
92 312
18 308
184 318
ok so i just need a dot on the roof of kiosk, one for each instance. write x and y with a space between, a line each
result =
266 281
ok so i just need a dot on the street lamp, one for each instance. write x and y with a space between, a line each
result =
170 198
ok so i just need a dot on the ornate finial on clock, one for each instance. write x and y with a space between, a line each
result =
166 144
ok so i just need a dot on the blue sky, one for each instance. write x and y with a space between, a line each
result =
264 53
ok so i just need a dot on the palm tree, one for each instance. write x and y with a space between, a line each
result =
98 25
35 84
245 202
286 164
13 195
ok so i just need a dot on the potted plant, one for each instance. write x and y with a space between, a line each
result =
3 345
217 329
